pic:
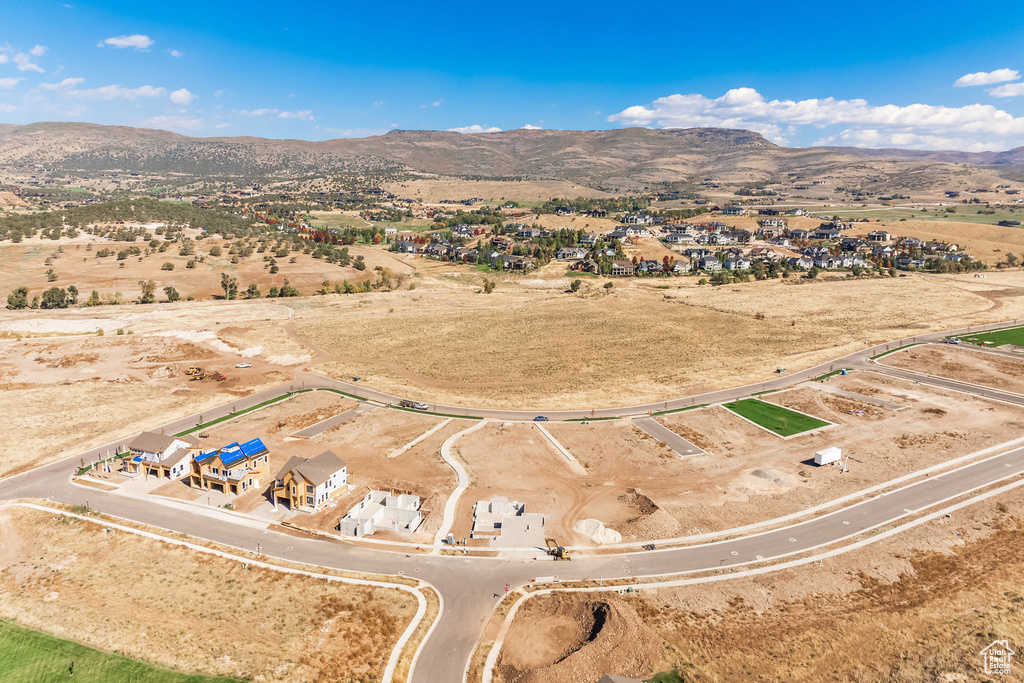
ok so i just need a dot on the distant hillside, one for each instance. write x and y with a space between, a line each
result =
623 158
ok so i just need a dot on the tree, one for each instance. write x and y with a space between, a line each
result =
187 248
35 302
54 297
273 293
253 292
1011 260
18 298
94 299
51 275
167 266
488 285
191 263
575 286
172 294
214 251
608 286
813 272
229 285
288 290
72 295
148 291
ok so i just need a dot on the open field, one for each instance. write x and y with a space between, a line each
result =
963 214
1012 337
189 611
987 243
28 656
962 364
434 189
774 418
532 345
916 607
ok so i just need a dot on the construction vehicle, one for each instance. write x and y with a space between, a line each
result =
193 371
199 376
220 378
556 551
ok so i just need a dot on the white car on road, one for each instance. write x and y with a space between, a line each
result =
244 365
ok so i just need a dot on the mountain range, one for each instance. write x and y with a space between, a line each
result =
621 158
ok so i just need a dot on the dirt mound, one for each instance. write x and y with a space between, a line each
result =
577 641
769 475
597 532
649 520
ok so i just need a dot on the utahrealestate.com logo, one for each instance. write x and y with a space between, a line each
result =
997 657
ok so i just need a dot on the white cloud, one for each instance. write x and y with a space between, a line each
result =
530 126
182 97
258 112
1007 90
475 128
7 108
24 63
176 53
10 82
3 58
113 92
175 123
38 51
975 126
987 77
136 40
305 115
66 83
223 125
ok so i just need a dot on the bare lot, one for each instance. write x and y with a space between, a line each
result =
66 395
191 611
963 364
916 607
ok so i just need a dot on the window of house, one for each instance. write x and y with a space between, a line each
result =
309 488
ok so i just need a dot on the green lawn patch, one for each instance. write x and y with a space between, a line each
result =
1013 336
28 656
679 410
886 353
774 418
667 677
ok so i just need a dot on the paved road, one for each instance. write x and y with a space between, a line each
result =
911 376
667 436
471 586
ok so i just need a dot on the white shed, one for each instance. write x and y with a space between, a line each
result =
828 456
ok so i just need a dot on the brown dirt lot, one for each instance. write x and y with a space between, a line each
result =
916 607
191 611
77 392
963 364
366 442
749 475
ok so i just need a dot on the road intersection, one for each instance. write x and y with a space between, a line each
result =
468 584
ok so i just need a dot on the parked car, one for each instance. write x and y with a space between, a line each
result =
244 365
540 418
420 406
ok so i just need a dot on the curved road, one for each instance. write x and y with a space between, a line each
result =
471 586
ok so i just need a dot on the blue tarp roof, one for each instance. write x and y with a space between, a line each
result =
234 452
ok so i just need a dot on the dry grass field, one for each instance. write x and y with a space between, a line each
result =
436 188
531 344
987 243
916 607
191 611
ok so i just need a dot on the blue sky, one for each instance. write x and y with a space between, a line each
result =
934 75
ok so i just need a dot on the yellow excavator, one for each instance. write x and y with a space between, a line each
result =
194 371
198 377
556 551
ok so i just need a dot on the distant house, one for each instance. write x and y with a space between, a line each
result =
637 231
878 236
681 267
734 211
801 262
390 231
678 238
827 232
529 233
309 483
622 268
585 265
407 246
568 253
637 219
797 212
651 267
161 456
233 469
565 211
798 234
709 263
590 238
737 263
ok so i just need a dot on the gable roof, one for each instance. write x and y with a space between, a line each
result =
151 442
312 470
